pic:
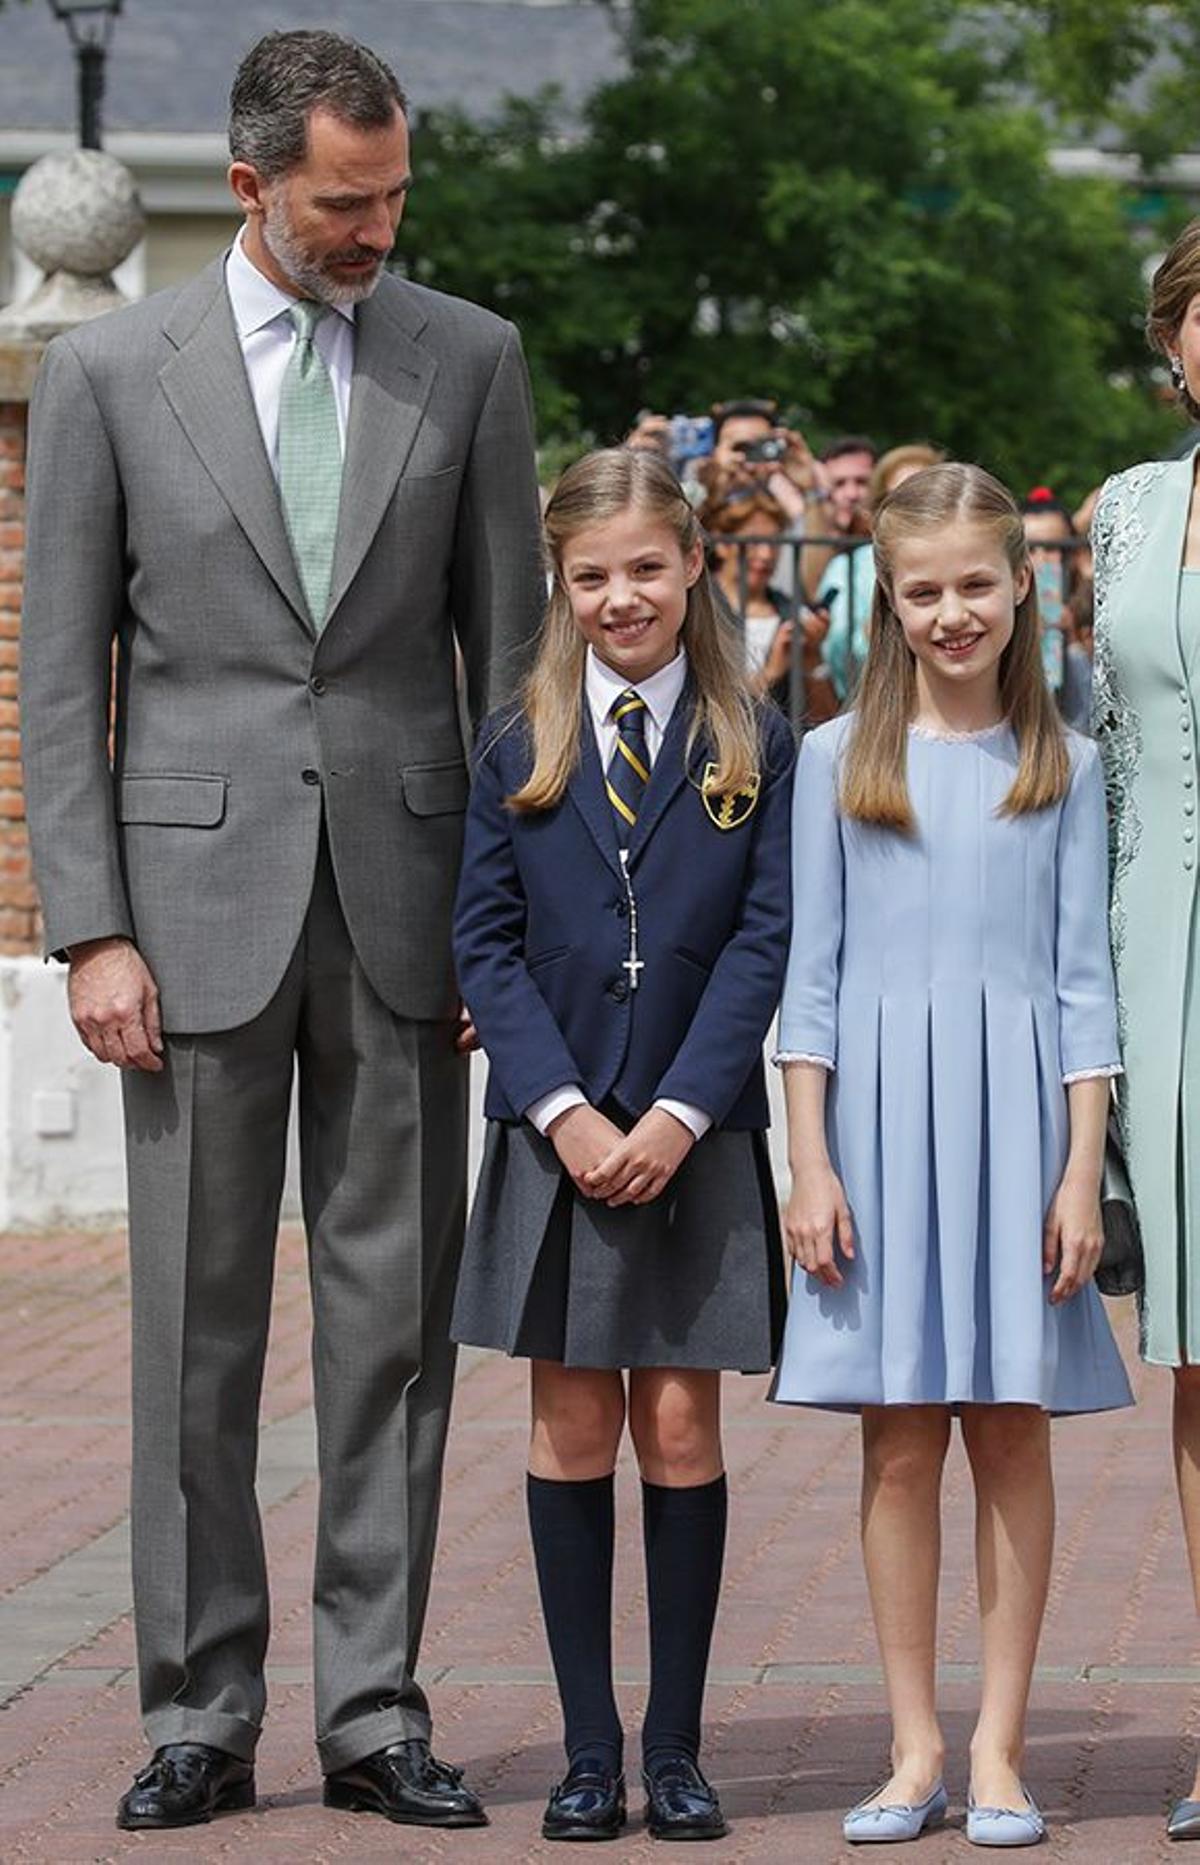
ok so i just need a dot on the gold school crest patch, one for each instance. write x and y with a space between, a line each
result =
729 809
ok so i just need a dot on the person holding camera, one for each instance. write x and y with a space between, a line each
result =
753 453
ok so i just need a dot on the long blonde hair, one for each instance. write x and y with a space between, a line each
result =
594 490
874 785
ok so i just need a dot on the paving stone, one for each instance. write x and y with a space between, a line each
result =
795 1723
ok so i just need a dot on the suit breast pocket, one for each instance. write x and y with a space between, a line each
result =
442 484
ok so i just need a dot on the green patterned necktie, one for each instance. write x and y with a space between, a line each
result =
310 459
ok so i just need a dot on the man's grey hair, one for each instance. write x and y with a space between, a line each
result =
289 74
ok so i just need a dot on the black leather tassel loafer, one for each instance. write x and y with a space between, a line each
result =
184 1785
405 1783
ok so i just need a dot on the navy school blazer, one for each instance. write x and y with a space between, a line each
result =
541 929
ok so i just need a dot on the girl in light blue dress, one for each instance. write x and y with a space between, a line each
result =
948 1035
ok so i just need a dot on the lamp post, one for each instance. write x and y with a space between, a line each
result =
89 25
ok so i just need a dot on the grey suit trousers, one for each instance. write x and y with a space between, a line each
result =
383 1163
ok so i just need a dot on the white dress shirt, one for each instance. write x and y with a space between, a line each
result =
267 336
661 693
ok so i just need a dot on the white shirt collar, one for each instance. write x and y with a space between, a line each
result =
660 692
255 300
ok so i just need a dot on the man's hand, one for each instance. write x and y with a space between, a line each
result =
791 479
582 1137
643 1162
114 1004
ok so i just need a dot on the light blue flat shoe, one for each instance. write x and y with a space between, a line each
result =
878 1824
1183 1822
1005 1826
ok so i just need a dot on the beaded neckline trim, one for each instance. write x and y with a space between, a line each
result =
942 736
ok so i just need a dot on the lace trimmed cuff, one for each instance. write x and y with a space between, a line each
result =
1108 1073
793 1055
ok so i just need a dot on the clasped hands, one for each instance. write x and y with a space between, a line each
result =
620 1168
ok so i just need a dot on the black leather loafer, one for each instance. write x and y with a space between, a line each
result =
588 1803
184 1785
680 1804
407 1784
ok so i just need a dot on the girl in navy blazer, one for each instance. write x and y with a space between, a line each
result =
621 935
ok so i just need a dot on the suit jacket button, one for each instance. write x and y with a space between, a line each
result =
618 990
310 776
316 684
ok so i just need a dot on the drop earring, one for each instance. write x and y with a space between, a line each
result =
1178 379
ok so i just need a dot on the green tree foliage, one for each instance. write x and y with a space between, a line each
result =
837 204
1130 65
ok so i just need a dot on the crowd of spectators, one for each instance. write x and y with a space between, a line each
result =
790 549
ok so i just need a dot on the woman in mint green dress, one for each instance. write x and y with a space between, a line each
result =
1146 701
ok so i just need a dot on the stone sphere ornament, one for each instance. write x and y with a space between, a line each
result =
77 215
77 211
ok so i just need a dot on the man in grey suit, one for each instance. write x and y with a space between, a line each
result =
285 491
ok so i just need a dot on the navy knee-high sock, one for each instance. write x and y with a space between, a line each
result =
572 1526
685 1549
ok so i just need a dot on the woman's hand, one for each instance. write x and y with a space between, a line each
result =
815 623
1073 1236
643 1162
817 1223
779 655
582 1137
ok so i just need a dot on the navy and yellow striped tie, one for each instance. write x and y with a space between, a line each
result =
629 767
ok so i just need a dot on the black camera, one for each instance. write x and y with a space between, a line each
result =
772 449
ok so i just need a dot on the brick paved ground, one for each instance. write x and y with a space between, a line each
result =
795 1726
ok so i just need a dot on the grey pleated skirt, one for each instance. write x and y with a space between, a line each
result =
694 1279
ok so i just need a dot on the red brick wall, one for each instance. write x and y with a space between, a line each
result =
19 918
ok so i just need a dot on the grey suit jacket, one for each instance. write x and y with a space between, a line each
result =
154 521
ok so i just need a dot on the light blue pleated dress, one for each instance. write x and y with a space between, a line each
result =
953 978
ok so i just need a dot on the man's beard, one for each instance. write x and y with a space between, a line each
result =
310 275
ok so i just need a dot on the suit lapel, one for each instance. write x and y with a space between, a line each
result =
670 772
393 376
586 791
206 384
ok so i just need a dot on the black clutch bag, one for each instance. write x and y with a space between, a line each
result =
1122 1269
